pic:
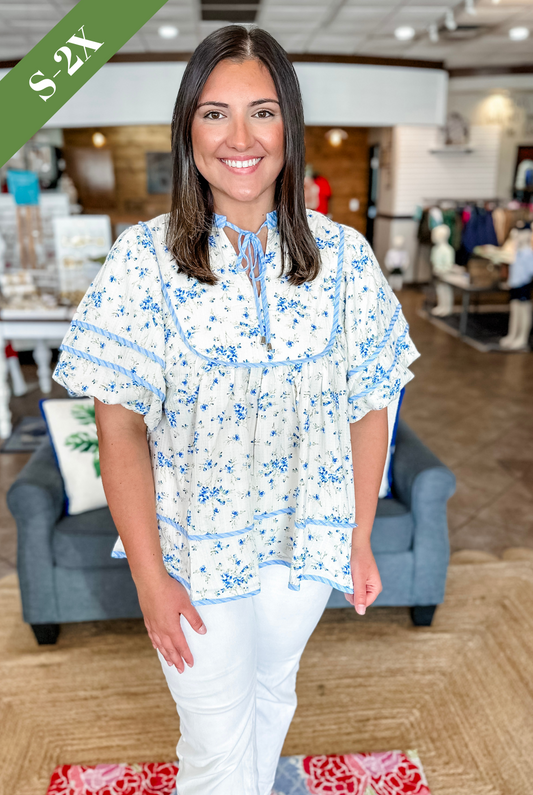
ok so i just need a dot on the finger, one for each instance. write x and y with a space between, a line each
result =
359 598
193 617
349 597
172 657
179 643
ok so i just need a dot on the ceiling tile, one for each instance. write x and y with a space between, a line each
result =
326 43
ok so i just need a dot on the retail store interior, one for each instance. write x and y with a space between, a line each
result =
419 134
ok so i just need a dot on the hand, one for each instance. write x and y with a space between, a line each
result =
162 603
365 578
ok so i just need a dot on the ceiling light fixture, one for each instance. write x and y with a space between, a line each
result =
404 33
449 20
495 2
433 31
519 34
470 7
168 31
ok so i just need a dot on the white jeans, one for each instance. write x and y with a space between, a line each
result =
237 702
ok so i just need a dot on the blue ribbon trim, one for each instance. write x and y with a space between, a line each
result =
116 368
284 362
379 348
372 387
257 518
121 340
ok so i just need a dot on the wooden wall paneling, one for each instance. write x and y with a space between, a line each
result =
346 168
128 146
93 174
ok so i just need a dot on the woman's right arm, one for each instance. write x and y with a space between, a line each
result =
129 487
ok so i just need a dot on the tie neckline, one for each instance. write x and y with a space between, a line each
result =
250 251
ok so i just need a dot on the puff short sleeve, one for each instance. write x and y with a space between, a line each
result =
115 347
378 346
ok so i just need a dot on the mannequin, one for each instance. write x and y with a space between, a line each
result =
397 262
442 259
520 283
311 189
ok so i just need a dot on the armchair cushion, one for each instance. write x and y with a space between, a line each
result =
85 541
394 527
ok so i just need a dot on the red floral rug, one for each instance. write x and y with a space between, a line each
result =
388 773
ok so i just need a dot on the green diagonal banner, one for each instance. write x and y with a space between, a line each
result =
85 39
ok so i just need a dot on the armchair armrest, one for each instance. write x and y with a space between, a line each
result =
36 501
424 484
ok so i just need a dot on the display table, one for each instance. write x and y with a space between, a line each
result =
459 282
42 326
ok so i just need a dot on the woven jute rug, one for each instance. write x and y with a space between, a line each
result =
459 692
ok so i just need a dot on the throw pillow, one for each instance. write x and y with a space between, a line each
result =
72 430
393 415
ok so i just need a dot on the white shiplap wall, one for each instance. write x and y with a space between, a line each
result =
420 175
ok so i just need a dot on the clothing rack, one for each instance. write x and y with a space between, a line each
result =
452 204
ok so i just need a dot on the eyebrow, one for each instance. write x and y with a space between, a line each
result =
250 104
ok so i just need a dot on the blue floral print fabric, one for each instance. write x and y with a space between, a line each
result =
250 443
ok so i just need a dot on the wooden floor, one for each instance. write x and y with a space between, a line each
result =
475 411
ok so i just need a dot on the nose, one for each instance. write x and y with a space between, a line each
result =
239 135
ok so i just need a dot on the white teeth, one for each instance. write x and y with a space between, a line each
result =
242 163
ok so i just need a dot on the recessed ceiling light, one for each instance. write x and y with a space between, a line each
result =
404 33
449 20
519 34
495 2
168 31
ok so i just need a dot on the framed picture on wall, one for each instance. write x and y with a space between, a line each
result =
523 178
158 172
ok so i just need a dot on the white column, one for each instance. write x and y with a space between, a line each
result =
5 413
43 356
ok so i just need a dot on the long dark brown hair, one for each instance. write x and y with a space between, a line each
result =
191 214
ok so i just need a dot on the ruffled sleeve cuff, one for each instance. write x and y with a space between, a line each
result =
379 348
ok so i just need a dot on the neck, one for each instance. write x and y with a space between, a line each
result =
248 216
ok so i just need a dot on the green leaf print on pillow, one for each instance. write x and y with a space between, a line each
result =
83 441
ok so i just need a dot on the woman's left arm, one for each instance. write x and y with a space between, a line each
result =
369 438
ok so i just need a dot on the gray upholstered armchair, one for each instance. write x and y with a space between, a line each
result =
67 574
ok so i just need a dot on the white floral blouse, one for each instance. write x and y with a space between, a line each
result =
247 388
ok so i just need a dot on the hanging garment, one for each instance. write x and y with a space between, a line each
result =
324 194
435 217
247 397
479 230
500 224
521 269
524 176
424 232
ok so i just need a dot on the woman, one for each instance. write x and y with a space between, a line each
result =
241 352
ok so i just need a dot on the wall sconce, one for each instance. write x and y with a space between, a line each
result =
99 140
335 137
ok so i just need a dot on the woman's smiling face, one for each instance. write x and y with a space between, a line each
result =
237 133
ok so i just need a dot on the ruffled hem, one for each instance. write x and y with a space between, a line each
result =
195 564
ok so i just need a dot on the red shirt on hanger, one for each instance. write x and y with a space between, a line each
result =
324 194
